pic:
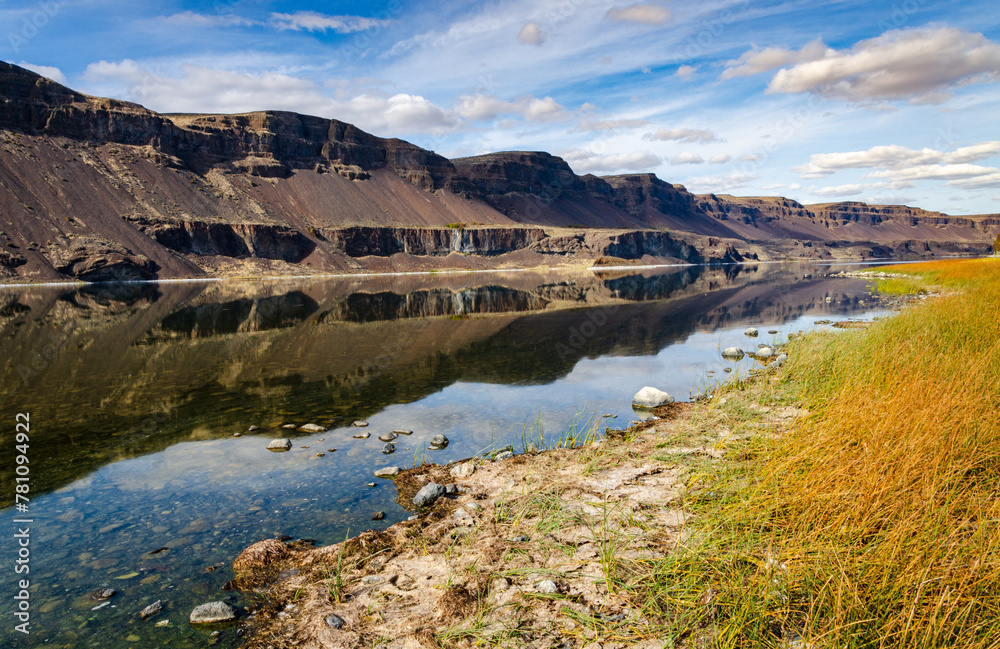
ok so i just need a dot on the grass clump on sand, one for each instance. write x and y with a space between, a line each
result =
875 522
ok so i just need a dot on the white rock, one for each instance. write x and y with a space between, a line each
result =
651 398
463 470
732 352
751 331
765 352
547 586
387 472
312 428
213 612
280 444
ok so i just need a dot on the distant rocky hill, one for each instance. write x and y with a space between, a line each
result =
101 189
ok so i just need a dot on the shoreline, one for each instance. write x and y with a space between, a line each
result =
850 261
526 537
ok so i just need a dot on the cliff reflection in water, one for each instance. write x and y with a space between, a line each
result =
124 370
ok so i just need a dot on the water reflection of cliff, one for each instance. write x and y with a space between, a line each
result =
117 371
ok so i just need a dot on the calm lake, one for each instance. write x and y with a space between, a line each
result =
135 393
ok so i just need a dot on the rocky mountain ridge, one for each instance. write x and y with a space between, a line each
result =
101 189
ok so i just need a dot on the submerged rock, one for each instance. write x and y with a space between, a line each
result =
312 428
651 398
261 554
103 593
377 516
751 331
429 494
153 609
280 444
389 449
213 612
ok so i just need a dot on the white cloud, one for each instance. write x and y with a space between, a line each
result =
889 199
894 156
611 124
587 162
843 190
46 71
719 158
774 186
647 14
756 60
543 110
313 21
687 159
193 19
531 34
920 65
724 183
685 72
683 135
202 89
482 107
750 157
978 182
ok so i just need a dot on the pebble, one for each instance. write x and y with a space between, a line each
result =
369 484
334 621
163 623
429 494
312 428
402 431
523 538
280 444
765 352
371 579
103 593
439 441
387 472
360 424
362 436
253 428
389 448
451 488
321 455
463 470
751 331
547 586
213 612
462 515
503 455
377 516
151 610
773 331
237 434
289 426
330 450
387 437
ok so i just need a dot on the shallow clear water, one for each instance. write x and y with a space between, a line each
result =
135 392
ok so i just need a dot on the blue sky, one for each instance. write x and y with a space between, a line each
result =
886 102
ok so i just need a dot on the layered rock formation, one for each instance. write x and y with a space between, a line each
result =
101 189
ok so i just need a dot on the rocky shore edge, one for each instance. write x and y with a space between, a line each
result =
517 550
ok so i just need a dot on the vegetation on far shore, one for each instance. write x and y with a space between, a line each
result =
874 522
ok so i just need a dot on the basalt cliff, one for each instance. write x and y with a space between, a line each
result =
100 189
